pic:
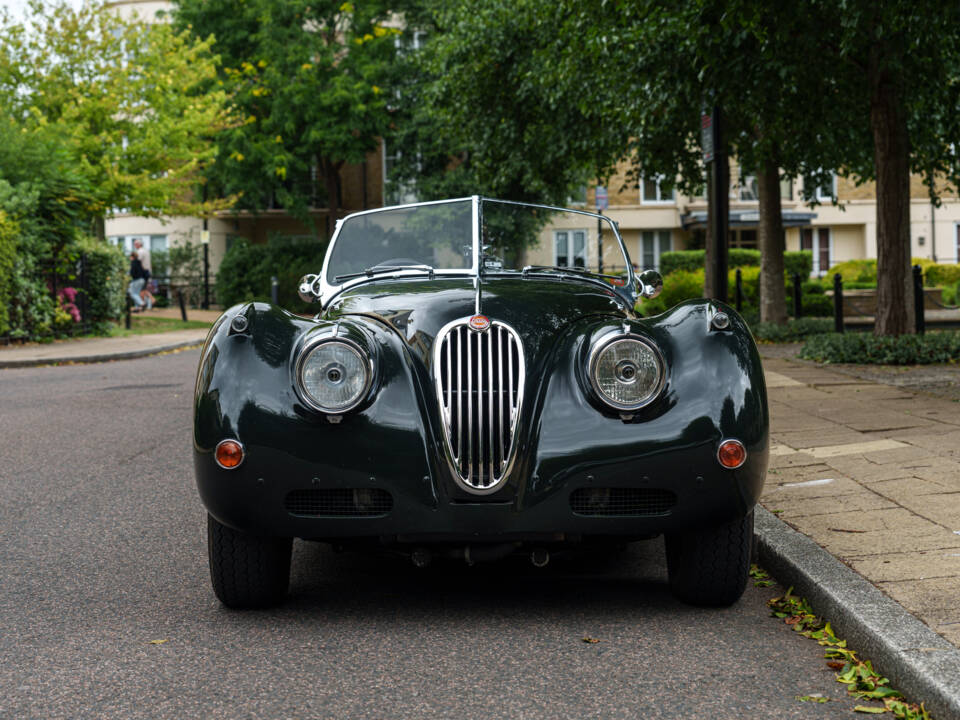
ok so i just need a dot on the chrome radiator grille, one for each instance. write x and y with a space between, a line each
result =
479 377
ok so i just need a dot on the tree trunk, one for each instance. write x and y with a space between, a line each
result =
773 299
708 259
891 152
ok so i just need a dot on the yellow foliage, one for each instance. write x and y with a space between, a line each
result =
262 64
346 7
238 156
306 66
281 173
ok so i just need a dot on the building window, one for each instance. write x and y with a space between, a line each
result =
398 192
786 189
570 248
819 242
578 198
653 243
821 192
652 192
745 238
747 189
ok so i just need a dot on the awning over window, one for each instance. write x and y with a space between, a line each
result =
745 219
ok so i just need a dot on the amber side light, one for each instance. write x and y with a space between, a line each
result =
229 454
732 454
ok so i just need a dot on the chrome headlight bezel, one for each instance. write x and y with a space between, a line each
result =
366 362
605 342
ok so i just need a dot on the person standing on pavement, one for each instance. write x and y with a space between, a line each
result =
143 255
136 282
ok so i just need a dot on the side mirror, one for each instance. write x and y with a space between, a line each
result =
649 283
309 289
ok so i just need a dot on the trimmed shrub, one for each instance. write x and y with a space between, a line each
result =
815 305
940 275
866 348
812 287
793 331
693 260
750 277
688 260
743 257
246 270
798 262
678 286
951 294
854 271
106 283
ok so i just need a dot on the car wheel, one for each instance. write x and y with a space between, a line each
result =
710 566
247 571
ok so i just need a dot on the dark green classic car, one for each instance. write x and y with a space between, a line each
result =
478 383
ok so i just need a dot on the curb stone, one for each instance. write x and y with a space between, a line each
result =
920 663
106 357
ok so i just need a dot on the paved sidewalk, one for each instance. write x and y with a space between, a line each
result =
99 349
871 473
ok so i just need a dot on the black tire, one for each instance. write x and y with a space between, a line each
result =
247 571
710 566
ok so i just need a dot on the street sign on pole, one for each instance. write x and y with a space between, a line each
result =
706 136
603 200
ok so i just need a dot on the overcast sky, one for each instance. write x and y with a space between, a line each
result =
16 7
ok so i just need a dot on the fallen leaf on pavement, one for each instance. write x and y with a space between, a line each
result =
590 640
157 642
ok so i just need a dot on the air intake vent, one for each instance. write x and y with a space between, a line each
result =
338 502
616 502
479 376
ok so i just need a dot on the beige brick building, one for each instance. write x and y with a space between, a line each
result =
842 226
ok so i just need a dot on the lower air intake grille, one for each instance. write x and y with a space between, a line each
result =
614 502
338 502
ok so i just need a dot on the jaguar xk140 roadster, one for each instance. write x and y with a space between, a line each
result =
478 382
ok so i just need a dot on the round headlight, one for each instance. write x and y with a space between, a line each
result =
334 376
626 373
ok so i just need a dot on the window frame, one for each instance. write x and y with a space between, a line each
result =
571 254
657 179
657 235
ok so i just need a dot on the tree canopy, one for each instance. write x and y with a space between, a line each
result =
132 103
532 95
311 81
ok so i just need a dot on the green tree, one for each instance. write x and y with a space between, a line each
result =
896 66
535 96
311 80
134 103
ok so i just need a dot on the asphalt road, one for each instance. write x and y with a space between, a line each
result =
102 552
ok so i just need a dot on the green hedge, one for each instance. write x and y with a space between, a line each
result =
686 260
107 279
798 262
692 260
866 348
8 253
941 275
951 294
246 270
793 331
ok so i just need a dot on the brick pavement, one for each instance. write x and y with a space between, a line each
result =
871 473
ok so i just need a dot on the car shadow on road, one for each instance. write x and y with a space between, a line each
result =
630 576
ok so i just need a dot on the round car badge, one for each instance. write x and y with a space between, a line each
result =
479 323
